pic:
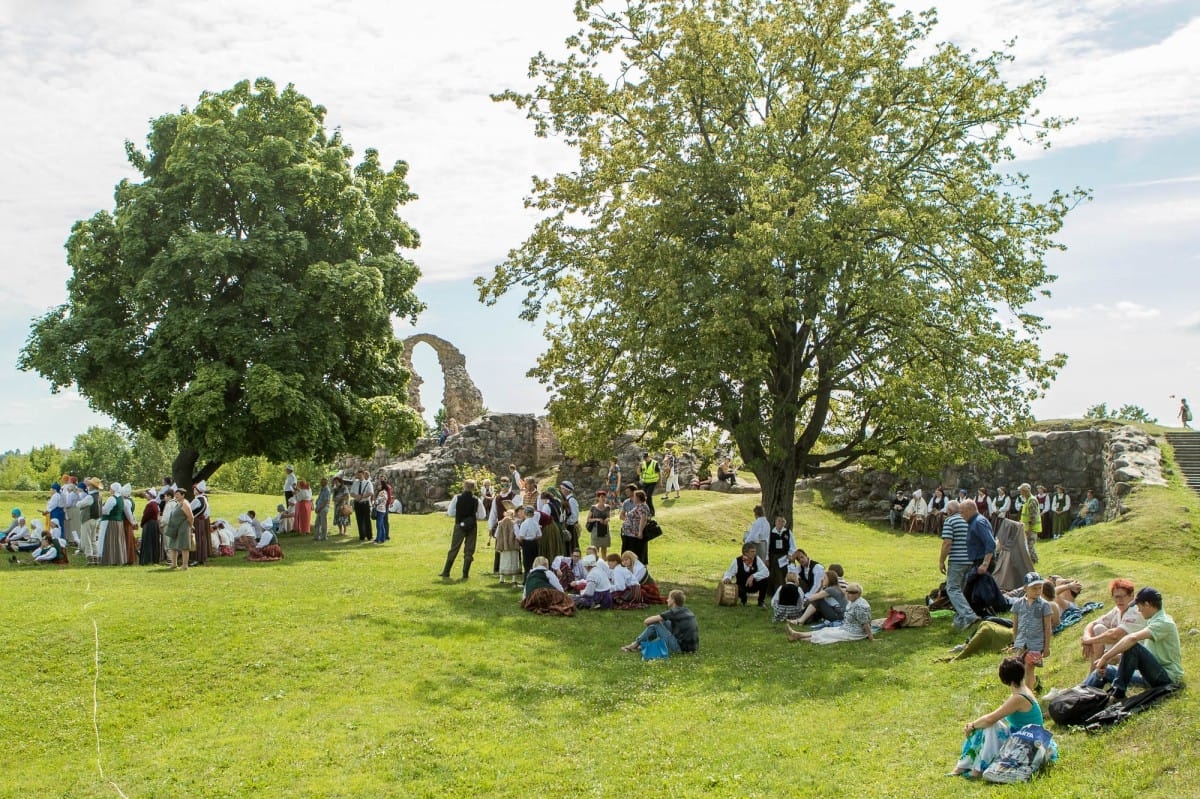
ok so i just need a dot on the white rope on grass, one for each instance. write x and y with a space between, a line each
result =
96 702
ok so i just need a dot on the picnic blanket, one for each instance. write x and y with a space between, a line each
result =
1075 615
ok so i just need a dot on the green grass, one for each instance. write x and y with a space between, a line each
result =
352 671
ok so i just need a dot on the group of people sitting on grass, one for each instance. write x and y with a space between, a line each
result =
575 581
808 593
1134 644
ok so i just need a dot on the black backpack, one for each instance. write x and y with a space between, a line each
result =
1129 706
1075 706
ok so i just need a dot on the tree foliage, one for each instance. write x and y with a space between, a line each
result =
1126 413
789 221
241 292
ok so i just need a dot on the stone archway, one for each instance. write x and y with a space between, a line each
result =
460 396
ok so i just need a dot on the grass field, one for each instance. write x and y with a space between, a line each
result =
352 671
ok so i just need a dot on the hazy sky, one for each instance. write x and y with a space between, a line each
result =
413 81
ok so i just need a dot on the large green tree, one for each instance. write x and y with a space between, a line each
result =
241 292
789 220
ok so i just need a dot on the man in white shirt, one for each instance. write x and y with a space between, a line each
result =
363 492
289 484
528 532
751 574
759 533
467 511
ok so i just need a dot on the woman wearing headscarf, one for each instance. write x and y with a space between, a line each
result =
150 551
201 524
114 550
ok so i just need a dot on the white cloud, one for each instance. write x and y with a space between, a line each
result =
1115 87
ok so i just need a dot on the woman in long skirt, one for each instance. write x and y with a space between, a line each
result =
508 546
201 527
150 552
304 506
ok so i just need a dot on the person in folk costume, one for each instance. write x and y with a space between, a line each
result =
131 526
114 513
150 551
201 524
1060 509
177 526
496 514
781 549
89 507
56 507
72 493
304 506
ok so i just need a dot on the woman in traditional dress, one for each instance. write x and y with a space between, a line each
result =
178 530
114 549
266 549
987 734
342 509
150 551
551 544
507 544
544 593
304 505
203 527
647 590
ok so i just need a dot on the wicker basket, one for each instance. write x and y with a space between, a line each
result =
915 615
727 594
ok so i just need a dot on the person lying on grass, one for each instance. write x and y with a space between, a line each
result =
676 626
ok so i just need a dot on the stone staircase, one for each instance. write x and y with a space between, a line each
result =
1187 456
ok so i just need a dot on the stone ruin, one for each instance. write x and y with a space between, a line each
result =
460 396
1109 462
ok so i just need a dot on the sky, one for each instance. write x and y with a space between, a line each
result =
414 80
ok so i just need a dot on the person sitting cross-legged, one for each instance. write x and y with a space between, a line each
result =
676 626
750 574
829 603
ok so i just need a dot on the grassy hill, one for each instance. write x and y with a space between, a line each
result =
350 670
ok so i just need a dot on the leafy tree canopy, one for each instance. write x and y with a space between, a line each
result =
788 221
240 294
1126 413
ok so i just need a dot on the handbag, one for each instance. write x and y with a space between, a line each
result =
915 615
655 649
651 531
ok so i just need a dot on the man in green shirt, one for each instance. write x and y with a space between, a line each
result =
1150 656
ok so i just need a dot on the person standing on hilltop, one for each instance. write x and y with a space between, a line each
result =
1185 414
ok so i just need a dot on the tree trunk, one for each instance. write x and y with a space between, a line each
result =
183 469
778 482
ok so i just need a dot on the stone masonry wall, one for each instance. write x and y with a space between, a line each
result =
1107 462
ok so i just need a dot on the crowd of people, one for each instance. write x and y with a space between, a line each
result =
175 527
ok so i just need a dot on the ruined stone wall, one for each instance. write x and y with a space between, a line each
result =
1109 462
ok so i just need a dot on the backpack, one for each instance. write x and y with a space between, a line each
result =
984 596
1129 706
1074 706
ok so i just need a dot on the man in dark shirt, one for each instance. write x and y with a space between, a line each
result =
897 509
676 625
